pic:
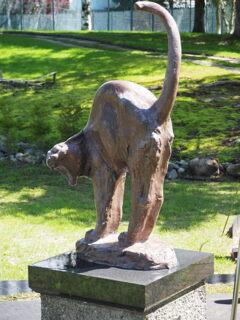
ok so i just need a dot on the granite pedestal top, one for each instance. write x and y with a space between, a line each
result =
66 275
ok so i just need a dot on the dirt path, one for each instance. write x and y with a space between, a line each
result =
82 43
77 43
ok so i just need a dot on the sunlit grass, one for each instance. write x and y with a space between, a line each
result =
42 216
22 296
219 288
205 44
200 126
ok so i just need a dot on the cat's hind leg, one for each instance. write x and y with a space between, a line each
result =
108 194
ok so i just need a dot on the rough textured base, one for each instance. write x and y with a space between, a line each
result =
152 254
190 306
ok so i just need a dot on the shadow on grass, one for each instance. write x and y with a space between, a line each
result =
38 192
206 120
79 73
189 203
191 42
86 65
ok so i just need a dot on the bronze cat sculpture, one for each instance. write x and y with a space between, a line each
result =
129 130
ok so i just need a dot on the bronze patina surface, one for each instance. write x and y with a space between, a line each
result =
129 130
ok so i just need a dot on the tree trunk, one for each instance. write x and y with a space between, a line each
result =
236 33
232 19
86 17
199 16
218 17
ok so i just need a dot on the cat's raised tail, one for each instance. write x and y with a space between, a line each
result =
163 106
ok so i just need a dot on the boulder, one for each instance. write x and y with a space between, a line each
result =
233 170
172 166
19 156
182 163
237 141
2 156
181 171
204 167
172 174
3 141
13 158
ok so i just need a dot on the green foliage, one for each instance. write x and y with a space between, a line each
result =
206 120
69 117
38 122
8 125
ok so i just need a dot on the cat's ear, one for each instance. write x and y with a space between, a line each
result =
78 137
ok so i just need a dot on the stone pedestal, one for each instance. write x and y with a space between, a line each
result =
72 289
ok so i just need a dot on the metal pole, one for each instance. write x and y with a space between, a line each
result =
21 14
206 19
131 16
190 8
108 16
222 21
53 15
212 20
171 7
152 22
236 287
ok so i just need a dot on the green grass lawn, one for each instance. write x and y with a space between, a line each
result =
42 216
206 121
205 44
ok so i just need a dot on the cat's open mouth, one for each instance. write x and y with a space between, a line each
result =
72 180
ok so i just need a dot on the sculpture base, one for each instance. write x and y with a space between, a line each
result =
145 291
189 306
152 254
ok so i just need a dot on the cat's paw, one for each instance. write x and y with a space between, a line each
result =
123 237
91 236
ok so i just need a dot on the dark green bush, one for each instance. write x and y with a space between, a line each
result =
69 119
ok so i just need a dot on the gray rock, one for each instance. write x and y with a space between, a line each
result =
181 171
30 155
225 165
233 170
3 141
172 166
2 155
237 141
172 175
12 158
22 146
26 147
205 167
30 159
20 156
182 163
